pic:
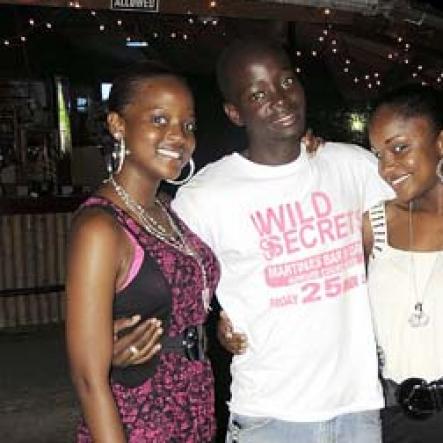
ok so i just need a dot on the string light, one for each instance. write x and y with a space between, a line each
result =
327 36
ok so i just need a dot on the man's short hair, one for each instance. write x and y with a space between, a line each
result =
235 53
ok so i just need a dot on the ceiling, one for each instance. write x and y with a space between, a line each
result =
359 46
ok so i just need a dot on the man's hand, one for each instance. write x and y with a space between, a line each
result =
139 344
233 342
312 142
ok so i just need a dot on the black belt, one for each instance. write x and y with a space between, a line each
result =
191 343
417 398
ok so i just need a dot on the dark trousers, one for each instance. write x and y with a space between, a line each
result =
397 428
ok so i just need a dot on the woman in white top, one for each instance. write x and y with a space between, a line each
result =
404 244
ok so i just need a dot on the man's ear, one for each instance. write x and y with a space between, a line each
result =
116 125
233 114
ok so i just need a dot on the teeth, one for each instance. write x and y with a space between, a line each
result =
399 180
169 153
286 118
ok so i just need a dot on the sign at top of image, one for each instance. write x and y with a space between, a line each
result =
136 5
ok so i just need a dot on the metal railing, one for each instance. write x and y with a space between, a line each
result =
32 268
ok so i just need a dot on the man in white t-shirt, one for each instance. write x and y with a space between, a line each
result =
286 228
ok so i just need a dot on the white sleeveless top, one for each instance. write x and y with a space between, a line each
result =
406 351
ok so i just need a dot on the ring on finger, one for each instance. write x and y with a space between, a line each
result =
133 350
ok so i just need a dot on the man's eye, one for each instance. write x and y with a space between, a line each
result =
257 96
190 127
159 120
289 81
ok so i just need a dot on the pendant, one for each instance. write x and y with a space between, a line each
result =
418 318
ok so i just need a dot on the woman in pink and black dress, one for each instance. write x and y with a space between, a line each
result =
131 256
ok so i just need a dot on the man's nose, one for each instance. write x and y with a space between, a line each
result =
280 100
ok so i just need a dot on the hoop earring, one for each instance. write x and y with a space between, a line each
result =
187 178
439 170
119 154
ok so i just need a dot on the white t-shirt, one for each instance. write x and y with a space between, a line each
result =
293 278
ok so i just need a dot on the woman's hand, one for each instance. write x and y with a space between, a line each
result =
312 142
135 343
234 342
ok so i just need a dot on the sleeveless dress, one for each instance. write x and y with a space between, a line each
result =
406 351
176 402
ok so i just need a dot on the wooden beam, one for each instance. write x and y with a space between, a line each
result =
251 9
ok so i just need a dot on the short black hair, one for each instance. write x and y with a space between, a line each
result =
125 84
414 100
235 53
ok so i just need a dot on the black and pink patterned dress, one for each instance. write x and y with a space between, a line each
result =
170 399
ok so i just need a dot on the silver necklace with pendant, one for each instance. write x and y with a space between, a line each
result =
418 318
